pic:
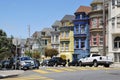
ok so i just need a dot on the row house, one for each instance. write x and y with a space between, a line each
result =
66 37
81 32
55 36
114 30
41 40
96 27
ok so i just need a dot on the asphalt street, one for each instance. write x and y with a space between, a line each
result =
69 73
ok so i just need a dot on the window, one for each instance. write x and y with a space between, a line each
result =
62 34
80 16
113 21
82 43
77 44
77 29
117 42
101 39
118 3
100 21
118 21
67 34
113 2
64 24
117 57
94 55
57 38
52 38
43 33
94 22
67 47
82 29
45 42
94 7
62 47
55 29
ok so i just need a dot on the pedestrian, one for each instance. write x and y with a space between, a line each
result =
68 60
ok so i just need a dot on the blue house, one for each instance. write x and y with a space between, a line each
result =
81 32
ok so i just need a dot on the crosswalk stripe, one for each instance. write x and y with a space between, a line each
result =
54 70
31 77
41 71
67 69
72 68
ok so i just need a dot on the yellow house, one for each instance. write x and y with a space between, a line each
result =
67 37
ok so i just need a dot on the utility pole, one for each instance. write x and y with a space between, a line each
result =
104 30
29 38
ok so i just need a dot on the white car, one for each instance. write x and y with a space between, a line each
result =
95 60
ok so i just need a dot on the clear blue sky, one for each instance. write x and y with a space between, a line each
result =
15 15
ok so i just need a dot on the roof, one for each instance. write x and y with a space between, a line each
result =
56 23
97 1
85 9
47 31
68 18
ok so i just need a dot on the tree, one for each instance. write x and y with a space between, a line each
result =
28 53
6 46
51 52
36 54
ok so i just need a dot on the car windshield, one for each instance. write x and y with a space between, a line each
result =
25 58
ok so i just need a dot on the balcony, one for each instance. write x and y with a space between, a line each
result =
57 42
96 29
64 39
80 35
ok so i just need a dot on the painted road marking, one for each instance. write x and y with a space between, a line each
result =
30 77
41 71
54 70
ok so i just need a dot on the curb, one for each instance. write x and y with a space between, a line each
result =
10 73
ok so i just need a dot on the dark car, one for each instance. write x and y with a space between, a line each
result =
74 63
55 61
0 65
36 63
5 64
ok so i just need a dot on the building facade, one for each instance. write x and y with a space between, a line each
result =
81 32
66 37
96 27
114 30
55 36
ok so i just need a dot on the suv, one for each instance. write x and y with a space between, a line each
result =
55 61
24 63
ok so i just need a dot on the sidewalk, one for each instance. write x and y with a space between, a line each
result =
10 73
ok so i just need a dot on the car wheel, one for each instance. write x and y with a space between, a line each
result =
80 63
64 65
95 64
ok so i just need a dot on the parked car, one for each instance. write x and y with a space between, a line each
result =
44 62
55 61
36 63
0 65
95 60
74 62
5 64
24 63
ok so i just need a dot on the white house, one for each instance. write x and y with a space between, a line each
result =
114 30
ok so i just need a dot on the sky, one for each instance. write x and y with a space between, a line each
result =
17 15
